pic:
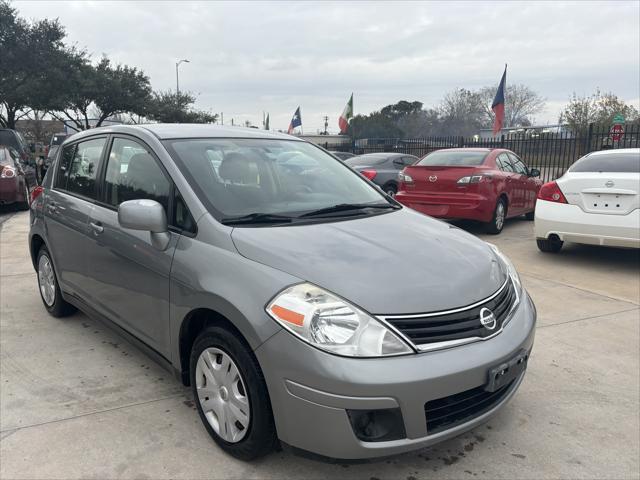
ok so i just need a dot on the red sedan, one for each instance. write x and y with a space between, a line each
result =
484 184
14 187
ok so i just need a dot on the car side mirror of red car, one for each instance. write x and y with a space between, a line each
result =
534 172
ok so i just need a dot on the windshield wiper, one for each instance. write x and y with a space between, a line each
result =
257 218
344 207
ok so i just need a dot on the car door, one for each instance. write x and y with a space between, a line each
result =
67 207
129 280
529 184
513 185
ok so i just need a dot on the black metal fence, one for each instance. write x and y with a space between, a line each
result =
550 152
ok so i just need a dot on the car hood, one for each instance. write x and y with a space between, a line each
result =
399 262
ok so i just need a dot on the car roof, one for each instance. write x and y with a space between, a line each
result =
385 154
166 131
468 149
615 151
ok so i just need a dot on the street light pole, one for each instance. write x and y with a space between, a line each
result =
177 78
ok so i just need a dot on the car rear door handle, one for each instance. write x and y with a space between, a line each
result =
96 227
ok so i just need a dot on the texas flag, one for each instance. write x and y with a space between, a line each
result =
498 104
296 121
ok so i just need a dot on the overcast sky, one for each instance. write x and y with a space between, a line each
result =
247 58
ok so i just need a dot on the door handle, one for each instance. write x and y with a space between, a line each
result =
96 227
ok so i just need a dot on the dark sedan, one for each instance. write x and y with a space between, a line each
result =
382 168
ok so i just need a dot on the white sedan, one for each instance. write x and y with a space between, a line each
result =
597 201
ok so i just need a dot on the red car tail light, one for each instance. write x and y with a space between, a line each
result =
8 172
474 179
36 192
551 192
370 174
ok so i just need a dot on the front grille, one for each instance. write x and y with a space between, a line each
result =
448 412
458 324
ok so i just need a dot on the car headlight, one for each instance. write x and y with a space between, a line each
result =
511 270
332 324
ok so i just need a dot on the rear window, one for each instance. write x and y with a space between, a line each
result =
453 159
8 138
366 160
628 162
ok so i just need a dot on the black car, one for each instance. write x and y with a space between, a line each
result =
382 168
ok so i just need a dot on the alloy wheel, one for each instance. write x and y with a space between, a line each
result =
46 280
222 394
500 215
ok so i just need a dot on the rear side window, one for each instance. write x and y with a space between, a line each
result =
63 166
627 162
133 174
84 167
453 158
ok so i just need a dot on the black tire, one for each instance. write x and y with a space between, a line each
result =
496 224
260 438
549 245
59 307
390 189
530 216
24 205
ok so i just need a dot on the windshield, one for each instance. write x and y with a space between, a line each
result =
628 162
453 158
237 177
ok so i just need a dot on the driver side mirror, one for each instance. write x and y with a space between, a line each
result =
146 215
534 172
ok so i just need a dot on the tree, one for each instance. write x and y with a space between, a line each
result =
33 60
374 125
521 103
170 107
462 112
597 108
401 109
120 89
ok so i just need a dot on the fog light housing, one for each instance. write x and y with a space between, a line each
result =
377 425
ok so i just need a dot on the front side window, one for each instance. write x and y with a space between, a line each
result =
518 165
504 163
133 174
236 177
84 167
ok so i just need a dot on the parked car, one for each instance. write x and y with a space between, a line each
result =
56 140
597 202
14 188
382 168
12 139
487 185
260 287
343 155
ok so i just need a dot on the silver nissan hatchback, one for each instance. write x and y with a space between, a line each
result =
300 303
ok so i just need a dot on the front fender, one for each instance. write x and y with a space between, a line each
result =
205 276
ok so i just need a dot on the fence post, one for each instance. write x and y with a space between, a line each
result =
502 141
589 134
353 145
461 141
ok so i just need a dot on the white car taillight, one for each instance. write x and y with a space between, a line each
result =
8 172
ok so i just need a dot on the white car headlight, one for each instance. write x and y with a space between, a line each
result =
332 324
511 270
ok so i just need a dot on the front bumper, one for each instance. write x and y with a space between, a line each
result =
571 223
310 389
470 206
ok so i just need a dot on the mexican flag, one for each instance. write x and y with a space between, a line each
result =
347 114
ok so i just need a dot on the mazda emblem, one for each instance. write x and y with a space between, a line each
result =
488 319
433 178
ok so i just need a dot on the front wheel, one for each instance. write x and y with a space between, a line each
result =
390 189
231 395
496 224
